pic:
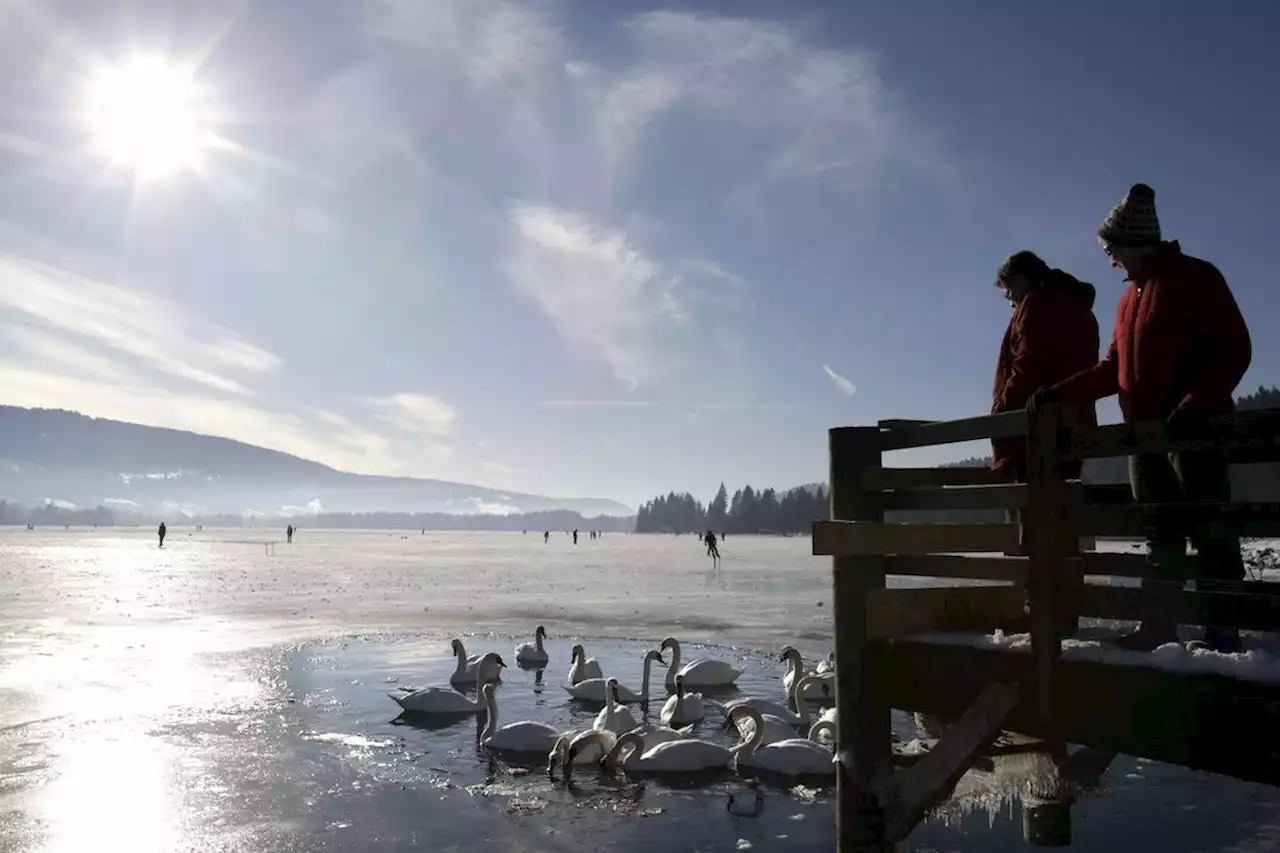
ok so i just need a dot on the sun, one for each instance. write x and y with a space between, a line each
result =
146 115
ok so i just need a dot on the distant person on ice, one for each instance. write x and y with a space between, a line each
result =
162 531
546 536
1180 348
712 550
288 532
575 536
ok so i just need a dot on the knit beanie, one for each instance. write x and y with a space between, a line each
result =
1026 263
1133 221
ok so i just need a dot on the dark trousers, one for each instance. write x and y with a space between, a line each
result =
1190 476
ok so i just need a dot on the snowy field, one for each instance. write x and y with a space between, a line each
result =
214 695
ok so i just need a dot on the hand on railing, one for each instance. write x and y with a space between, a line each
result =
1045 396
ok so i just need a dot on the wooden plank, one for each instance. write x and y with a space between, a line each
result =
1003 425
916 478
1258 611
864 733
935 775
1204 722
1046 542
893 613
1002 496
841 538
1246 519
1257 432
962 566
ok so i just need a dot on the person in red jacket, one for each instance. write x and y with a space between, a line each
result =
1051 336
1180 348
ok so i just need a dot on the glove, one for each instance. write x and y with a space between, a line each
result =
1045 396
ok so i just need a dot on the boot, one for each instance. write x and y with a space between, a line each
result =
1149 636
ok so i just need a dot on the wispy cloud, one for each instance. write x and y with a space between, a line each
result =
844 386
600 403
62 309
418 413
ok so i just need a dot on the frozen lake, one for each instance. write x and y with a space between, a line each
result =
215 696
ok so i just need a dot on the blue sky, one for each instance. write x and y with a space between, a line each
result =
603 248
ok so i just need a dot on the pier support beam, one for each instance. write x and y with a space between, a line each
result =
864 763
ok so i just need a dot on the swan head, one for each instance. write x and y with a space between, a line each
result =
611 684
540 632
578 652
573 748
788 653
670 643
731 719
558 753
654 654
456 645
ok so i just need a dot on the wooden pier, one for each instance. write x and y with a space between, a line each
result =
890 651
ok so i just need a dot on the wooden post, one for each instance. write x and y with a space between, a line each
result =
863 735
1045 535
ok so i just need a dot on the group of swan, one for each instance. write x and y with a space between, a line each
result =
768 730
792 756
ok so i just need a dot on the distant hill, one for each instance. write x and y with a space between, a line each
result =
66 458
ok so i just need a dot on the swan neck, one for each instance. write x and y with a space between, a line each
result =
491 706
674 666
644 679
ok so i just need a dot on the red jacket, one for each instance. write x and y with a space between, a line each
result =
1051 336
1180 340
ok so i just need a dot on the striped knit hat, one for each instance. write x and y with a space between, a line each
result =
1133 221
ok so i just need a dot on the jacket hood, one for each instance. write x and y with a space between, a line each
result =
1068 285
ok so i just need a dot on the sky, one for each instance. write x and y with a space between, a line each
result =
610 249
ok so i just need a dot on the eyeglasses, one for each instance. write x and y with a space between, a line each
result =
1107 250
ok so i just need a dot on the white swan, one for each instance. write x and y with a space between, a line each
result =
702 672
597 690
524 736
583 667
795 756
775 728
826 666
533 654
795 670
682 708
614 718
583 750
683 755
822 727
468 669
799 717
446 700
653 735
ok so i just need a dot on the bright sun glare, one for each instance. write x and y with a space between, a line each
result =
145 115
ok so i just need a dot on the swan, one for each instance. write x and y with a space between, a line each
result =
653 735
795 670
596 689
799 717
524 736
584 750
794 756
702 672
468 669
533 653
682 708
826 666
775 728
614 718
583 667
822 727
683 755
445 700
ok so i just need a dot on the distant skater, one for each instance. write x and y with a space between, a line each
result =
288 532
712 551
162 531
546 536
575 536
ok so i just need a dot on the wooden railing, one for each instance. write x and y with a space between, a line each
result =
1040 582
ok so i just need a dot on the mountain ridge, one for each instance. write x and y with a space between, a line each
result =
65 456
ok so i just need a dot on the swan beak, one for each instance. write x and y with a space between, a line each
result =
661 659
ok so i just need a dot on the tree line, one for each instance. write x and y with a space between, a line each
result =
747 511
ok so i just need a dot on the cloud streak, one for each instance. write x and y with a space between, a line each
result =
844 386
